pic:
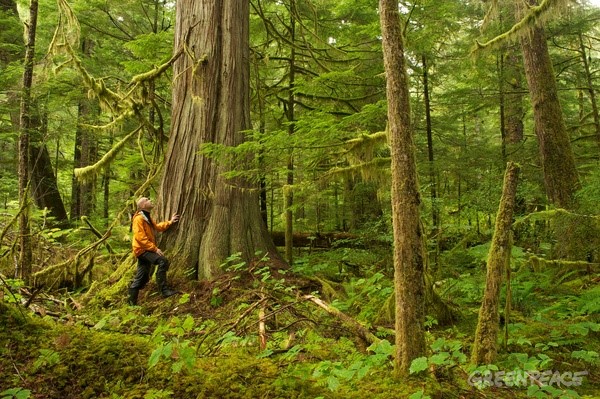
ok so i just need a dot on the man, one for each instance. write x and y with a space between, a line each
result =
146 251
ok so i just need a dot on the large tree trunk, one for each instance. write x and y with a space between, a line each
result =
45 186
25 255
409 264
484 347
558 163
43 179
219 216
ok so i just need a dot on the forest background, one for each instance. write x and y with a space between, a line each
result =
315 318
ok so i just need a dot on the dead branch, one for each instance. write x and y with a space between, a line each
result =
354 325
97 233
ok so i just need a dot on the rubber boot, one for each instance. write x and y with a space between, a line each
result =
161 281
133 296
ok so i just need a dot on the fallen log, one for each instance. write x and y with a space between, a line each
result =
360 330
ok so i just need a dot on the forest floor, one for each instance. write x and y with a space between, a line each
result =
257 335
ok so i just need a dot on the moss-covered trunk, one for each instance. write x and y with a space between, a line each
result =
409 280
484 346
556 155
511 91
25 254
219 216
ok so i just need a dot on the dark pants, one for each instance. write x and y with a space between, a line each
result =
145 269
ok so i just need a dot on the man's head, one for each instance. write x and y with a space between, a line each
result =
144 204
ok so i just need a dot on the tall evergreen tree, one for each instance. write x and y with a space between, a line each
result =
556 155
409 257
220 215
25 255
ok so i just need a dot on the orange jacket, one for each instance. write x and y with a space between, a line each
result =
143 233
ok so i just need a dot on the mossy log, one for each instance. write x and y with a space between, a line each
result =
360 330
114 288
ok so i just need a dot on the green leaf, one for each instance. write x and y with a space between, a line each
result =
333 383
265 353
185 298
459 356
100 325
418 365
439 358
383 347
419 395
532 390
15 393
154 357
188 324
586 356
438 345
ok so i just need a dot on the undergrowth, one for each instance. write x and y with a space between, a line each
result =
206 343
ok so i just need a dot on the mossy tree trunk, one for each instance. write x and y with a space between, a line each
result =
556 155
435 212
485 347
290 114
85 152
590 84
25 254
220 216
409 279
511 92
44 184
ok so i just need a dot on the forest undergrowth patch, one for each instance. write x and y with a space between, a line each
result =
253 333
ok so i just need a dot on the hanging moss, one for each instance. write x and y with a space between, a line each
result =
536 16
88 172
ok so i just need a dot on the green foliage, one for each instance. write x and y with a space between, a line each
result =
173 346
47 359
11 290
419 395
335 373
446 354
365 296
15 393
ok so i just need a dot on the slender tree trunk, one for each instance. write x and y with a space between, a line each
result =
558 163
25 255
220 216
289 191
484 347
435 214
260 101
85 153
513 78
409 262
